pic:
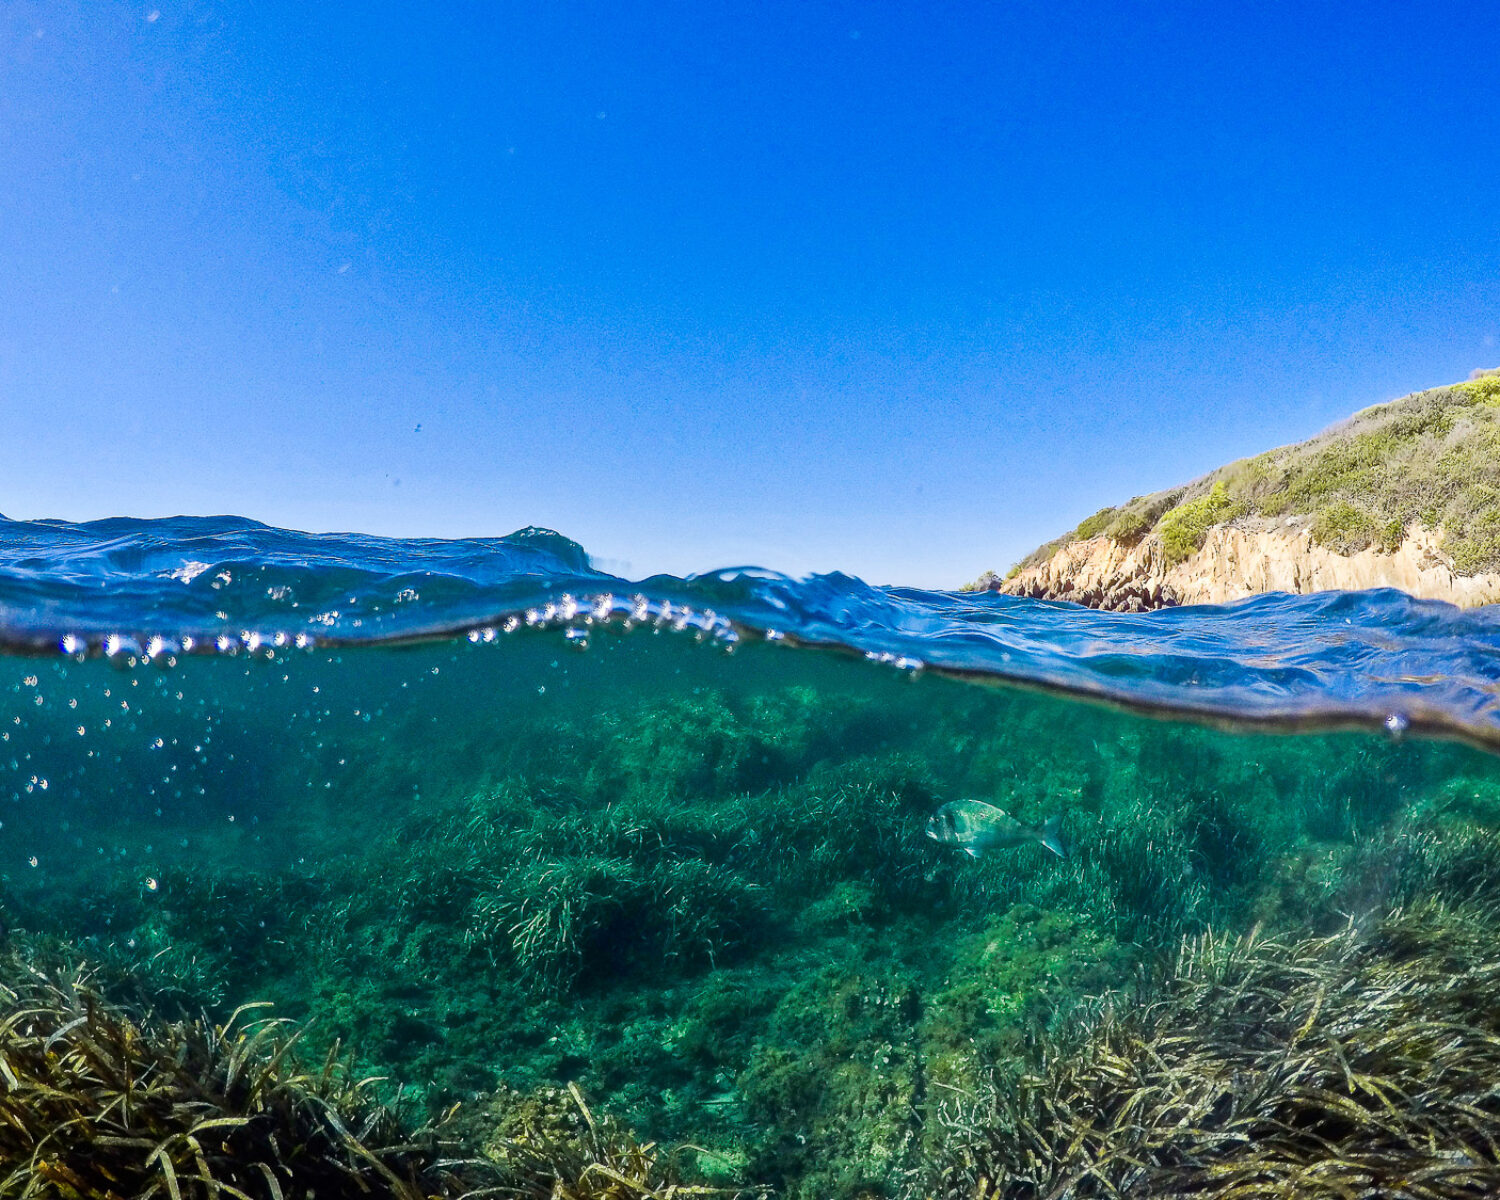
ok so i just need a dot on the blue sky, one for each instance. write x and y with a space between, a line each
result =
899 290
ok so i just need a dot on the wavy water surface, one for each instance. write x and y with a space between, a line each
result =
147 588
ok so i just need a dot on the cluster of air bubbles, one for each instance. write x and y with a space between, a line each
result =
578 616
127 650
575 616
901 662
250 641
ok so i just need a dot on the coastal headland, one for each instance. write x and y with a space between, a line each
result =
1403 495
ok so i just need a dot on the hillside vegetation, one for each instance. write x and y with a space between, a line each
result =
1431 457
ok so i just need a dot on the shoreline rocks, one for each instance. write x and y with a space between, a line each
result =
1238 560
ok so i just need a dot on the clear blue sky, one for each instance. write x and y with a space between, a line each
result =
899 290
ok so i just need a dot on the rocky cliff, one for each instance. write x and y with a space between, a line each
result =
1239 560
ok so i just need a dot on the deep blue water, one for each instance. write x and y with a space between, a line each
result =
216 585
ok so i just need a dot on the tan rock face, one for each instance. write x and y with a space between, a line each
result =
1234 563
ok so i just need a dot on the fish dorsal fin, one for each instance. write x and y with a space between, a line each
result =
994 808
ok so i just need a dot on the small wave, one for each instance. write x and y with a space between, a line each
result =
143 588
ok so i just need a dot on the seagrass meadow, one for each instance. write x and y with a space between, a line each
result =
647 919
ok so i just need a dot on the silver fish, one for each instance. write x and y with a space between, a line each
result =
976 827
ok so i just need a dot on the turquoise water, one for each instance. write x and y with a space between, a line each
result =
492 821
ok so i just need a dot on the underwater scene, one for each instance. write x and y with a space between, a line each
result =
342 866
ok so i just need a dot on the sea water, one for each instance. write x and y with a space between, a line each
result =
489 819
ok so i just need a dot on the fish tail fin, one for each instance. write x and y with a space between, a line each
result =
1052 836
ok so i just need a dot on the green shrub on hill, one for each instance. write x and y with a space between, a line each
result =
1129 526
1344 526
1093 526
1183 529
